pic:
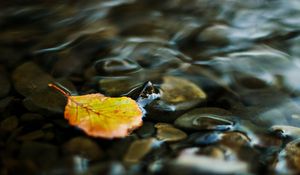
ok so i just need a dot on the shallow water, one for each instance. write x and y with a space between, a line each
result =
240 56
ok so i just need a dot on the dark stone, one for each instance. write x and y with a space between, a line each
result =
205 138
34 135
115 66
146 130
206 119
9 124
5 84
109 168
5 102
32 82
83 147
43 154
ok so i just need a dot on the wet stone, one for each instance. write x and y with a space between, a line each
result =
234 139
28 117
289 159
138 150
9 124
203 119
162 113
111 168
48 126
270 117
167 110
5 84
9 57
114 86
168 133
292 115
31 136
216 34
204 138
286 131
181 93
189 151
42 154
264 57
83 147
5 102
67 65
32 82
116 151
212 110
49 136
12 166
190 164
146 130
144 94
29 78
50 100
163 125
217 152
32 120
115 66
268 141
250 82
264 98
150 53
62 123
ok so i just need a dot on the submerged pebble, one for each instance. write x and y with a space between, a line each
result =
9 124
205 119
114 86
34 135
114 66
5 84
138 149
233 139
289 159
83 147
146 130
32 82
217 34
44 155
204 138
29 78
240 56
186 164
285 130
67 65
181 93
168 133
5 103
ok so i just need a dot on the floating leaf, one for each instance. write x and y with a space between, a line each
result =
102 116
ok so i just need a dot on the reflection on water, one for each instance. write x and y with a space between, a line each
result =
243 54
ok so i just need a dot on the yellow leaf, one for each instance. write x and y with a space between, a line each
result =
102 116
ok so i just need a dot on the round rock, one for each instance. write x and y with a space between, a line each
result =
168 133
9 124
138 149
179 92
206 119
84 147
4 83
146 130
115 66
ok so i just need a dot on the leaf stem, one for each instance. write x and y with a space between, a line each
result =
60 89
